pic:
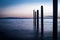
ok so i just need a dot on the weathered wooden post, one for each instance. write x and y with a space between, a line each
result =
34 20
55 12
38 21
42 23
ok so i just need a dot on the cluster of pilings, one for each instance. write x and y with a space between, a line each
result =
36 21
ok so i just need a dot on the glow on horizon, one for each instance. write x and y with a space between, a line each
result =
26 10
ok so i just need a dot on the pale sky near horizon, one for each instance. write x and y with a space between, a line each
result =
24 8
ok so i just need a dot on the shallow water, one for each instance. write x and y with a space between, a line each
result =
24 27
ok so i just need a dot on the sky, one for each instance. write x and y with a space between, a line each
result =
24 8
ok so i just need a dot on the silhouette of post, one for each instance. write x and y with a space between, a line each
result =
41 22
34 20
38 22
55 5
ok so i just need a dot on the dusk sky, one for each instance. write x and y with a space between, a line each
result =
24 8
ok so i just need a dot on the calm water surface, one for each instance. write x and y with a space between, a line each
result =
24 27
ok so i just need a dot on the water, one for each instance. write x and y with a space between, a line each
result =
24 27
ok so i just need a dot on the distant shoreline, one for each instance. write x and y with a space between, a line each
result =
46 17
25 18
